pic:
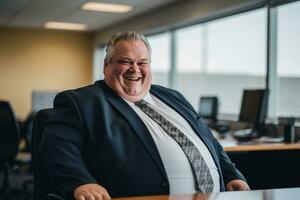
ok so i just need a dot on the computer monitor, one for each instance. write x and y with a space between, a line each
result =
254 107
208 108
41 100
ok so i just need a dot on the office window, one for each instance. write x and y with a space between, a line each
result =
288 59
189 49
289 40
160 45
160 58
237 44
230 54
98 63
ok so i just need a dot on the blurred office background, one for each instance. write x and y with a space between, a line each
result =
248 45
199 47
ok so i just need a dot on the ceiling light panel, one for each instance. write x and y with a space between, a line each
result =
106 7
66 26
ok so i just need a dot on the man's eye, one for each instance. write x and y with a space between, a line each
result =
124 62
143 63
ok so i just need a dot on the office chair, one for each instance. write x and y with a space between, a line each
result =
9 141
26 131
43 188
26 135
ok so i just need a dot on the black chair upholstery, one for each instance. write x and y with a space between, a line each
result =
9 132
9 141
43 188
25 134
26 131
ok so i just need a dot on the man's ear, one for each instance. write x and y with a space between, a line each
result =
105 66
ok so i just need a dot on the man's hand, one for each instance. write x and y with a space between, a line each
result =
237 185
91 192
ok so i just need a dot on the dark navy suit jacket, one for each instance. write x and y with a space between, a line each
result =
94 136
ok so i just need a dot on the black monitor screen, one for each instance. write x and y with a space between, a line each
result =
254 106
208 107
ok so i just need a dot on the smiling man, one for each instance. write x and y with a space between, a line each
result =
123 136
127 69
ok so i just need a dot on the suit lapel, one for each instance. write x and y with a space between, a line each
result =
141 130
177 106
180 109
136 123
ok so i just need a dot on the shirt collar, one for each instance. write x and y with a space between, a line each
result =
147 98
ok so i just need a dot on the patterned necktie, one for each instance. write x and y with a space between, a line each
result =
200 170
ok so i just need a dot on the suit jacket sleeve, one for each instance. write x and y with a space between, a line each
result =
229 171
62 145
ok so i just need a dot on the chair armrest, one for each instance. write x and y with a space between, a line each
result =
54 197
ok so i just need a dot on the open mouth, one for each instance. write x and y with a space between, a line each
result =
133 78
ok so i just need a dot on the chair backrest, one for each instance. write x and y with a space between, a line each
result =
9 133
42 184
26 131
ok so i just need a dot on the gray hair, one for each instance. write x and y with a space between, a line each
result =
124 36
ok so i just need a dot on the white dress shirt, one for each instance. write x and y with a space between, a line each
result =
177 166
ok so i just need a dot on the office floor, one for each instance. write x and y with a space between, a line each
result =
17 178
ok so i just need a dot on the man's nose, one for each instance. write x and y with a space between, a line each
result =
135 67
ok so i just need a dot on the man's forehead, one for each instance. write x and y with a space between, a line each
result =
122 43
128 48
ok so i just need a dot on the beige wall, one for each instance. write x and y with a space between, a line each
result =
41 60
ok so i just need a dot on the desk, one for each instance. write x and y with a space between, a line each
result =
259 144
262 147
272 194
266 165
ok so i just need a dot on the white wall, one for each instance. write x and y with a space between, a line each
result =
229 90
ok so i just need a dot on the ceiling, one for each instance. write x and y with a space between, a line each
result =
34 13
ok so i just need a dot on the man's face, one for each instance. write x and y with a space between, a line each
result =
128 71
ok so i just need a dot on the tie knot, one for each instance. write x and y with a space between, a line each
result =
140 103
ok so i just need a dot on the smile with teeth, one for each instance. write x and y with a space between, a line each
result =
132 78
